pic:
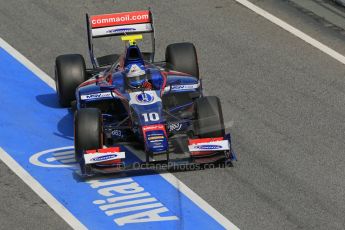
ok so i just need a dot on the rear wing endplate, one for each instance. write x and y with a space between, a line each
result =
118 24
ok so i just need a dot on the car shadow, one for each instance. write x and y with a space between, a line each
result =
65 125
140 172
50 100
147 172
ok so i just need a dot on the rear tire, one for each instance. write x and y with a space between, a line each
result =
88 133
182 57
209 115
70 72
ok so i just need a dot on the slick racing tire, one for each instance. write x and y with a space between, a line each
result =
70 72
209 115
182 57
88 133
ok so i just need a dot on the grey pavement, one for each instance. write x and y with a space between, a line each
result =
286 100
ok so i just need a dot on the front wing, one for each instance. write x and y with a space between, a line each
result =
205 151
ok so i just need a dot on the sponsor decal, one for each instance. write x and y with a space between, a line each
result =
155 137
153 127
161 140
126 18
144 98
96 96
123 30
208 147
174 127
103 155
184 87
114 30
104 158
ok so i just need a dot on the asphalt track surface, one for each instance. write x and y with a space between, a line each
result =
286 100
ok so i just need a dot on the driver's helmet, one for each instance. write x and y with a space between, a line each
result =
135 75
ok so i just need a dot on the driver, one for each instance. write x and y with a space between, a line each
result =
137 78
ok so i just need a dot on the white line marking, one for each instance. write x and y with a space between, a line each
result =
69 161
40 191
28 64
180 186
51 159
63 153
168 176
327 50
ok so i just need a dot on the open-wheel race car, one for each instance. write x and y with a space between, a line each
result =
131 98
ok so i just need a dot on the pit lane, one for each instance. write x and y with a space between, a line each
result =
285 97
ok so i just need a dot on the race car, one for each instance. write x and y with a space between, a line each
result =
130 98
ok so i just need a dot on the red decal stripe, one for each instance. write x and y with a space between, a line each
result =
153 127
173 72
204 140
127 18
106 150
202 153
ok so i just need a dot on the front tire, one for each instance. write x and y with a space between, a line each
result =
210 122
70 72
88 133
182 57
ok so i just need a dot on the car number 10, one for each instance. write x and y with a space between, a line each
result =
150 116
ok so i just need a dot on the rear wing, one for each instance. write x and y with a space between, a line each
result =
118 24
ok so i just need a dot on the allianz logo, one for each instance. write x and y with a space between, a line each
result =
128 202
55 158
